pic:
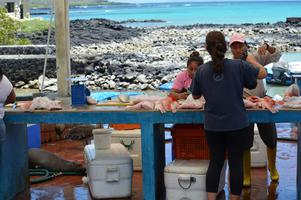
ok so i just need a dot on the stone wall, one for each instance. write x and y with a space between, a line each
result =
26 68
26 50
26 63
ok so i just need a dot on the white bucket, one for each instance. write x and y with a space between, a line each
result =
102 138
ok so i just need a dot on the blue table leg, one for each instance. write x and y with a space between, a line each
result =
299 163
14 177
153 160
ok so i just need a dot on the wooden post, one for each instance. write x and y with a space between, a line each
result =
62 38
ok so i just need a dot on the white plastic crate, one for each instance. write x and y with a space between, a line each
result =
109 173
131 139
186 179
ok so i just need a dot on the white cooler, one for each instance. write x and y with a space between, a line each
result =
131 139
186 179
109 171
258 151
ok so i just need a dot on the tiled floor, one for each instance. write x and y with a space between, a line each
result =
71 187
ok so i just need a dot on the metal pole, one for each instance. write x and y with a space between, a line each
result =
47 47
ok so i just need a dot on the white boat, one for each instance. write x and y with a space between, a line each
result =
295 68
283 72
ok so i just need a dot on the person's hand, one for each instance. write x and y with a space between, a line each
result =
183 95
166 104
253 99
250 59
262 50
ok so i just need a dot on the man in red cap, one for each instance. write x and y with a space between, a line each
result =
267 131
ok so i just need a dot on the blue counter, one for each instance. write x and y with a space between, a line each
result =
153 148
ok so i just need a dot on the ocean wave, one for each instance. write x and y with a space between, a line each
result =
84 7
107 11
187 4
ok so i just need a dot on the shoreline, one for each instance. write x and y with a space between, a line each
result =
113 56
97 27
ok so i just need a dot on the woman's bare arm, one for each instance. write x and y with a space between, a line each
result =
11 97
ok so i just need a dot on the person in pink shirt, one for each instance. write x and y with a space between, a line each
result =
182 83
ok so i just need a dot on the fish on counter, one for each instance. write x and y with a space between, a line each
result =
292 97
164 104
191 103
292 91
157 103
40 103
143 105
263 103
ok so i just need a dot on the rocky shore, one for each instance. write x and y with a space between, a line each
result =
115 56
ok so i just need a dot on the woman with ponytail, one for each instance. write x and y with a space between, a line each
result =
221 82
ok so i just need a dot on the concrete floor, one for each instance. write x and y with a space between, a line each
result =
71 187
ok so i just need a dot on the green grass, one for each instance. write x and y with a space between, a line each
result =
22 41
34 25
17 41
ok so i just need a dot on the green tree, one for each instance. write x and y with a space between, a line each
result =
8 29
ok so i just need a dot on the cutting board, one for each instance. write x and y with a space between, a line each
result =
114 103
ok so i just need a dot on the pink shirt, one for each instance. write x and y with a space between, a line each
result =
182 81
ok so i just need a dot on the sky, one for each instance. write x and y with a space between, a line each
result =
160 1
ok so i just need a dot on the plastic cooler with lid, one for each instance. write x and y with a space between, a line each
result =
109 171
186 179
130 139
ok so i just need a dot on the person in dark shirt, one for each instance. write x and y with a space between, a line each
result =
221 82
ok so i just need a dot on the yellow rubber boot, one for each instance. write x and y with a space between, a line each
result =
247 168
272 164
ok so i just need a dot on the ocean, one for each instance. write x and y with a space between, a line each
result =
189 13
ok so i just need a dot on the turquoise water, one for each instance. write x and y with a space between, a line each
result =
191 13
105 95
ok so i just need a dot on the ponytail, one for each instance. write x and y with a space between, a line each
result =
216 47
195 57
